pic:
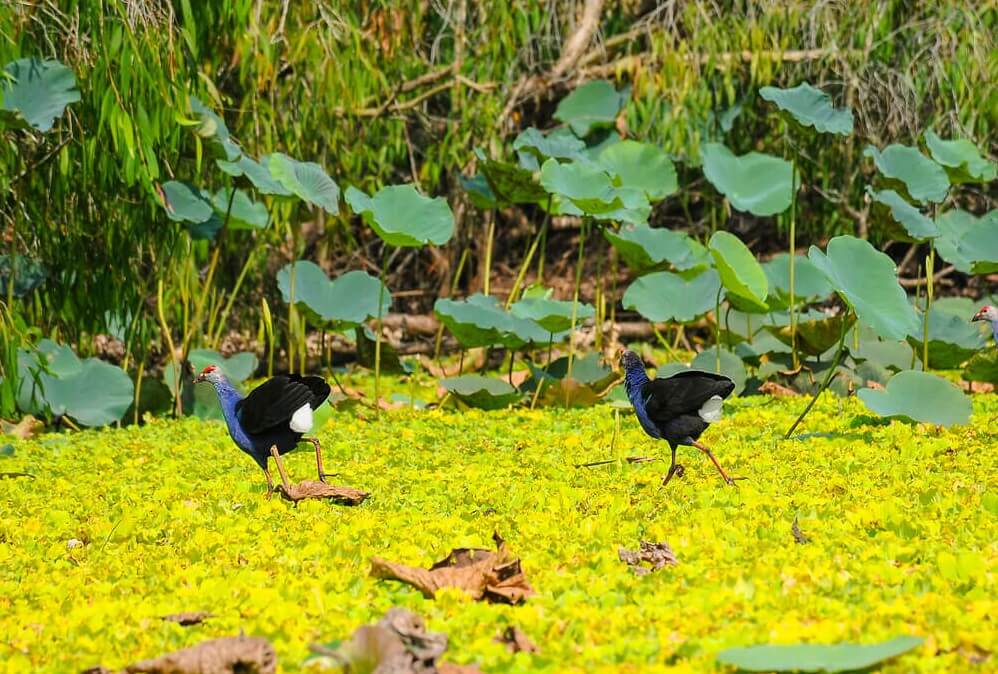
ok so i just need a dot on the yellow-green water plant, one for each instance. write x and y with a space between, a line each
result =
401 217
809 107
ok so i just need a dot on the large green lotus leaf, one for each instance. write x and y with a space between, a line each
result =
391 362
477 188
590 105
482 392
918 226
307 180
213 128
817 332
894 355
476 321
511 184
641 165
401 216
237 368
741 274
919 396
754 182
35 92
342 304
59 359
981 244
244 214
816 657
644 247
634 207
867 280
664 296
560 144
97 395
961 159
952 339
257 173
184 203
584 183
811 107
28 274
552 315
924 179
982 367
810 284
732 366
953 226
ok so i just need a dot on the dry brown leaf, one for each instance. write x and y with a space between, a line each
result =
777 390
799 536
315 489
484 574
187 618
516 641
657 555
25 429
228 655
396 644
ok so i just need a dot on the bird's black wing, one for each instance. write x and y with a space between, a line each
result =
272 403
683 393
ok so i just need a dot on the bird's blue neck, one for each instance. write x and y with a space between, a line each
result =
634 378
228 397
994 330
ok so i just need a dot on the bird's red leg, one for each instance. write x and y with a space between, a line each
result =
706 450
318 457
280 469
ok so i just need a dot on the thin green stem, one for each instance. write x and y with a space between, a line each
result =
793 265
377 335
526 263
717 328
826 381
488 253
575 300
930 264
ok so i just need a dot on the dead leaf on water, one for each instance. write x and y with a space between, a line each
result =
657 555
516 641
397 644
187 618
493 576
228 655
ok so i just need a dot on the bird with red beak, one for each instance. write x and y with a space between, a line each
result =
990 314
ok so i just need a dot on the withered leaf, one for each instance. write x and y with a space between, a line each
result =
228 655
315 489
657 555
516 641
396 644
493 576
799 536
777 390
187 618
26 428
97 670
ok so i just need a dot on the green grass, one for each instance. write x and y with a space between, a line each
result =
173 518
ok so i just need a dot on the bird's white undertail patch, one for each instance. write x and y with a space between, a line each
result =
301 420
711 410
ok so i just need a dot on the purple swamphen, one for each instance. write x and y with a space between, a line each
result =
676 409
277 413
990 314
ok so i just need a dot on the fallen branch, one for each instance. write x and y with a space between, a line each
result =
920 281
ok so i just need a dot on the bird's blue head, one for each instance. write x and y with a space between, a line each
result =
634 369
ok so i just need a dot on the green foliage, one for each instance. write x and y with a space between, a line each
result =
811 107
741 275
817 657
307 180
919 396
244 214
758 183
917 226
592 105
551 315
560 144
643 247
482 392
952 339
924 179
731 366
27 273
866 279
664 296
961 159
480 320
641 165
34 92
341 304
401 216
810 284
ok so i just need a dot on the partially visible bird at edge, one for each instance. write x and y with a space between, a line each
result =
677 409
990 314
277 413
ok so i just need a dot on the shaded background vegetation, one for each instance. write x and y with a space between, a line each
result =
383 92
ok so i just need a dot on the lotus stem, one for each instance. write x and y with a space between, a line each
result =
793 266
488 252
541 382
170 345
377 335
138 390
575 301
453 290
717 328
526 260
826 381
930 263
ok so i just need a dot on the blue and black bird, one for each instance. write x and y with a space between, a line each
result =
277 413
676 409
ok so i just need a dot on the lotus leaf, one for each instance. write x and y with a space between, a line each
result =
866 279
401 216
641 165
482 392
96 395
643 247
664 296
341 304
741 274
307 180
924 179
754 182
811 107
816 657
961 159
35 92
918 226
560 144
919 396
591 105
